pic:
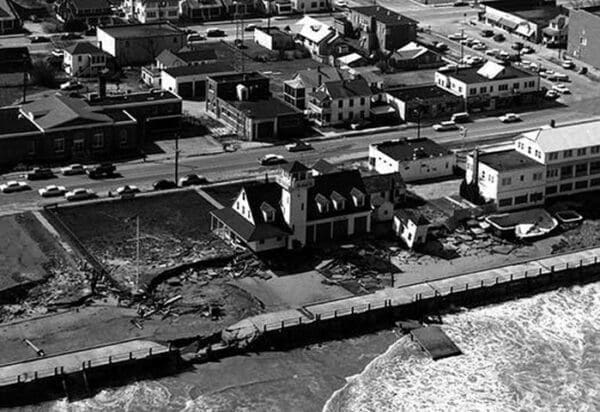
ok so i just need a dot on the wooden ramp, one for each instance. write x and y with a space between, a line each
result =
435 342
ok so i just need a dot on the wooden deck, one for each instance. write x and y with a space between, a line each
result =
435 342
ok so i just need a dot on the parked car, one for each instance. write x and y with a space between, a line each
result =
164 184
57 52
101 170
568 64
487 33
510 118
460 3
127 190
561 88
551 95
74 169
192 38
499 37
71 85
215 33
479 46
272 159
39 39
13 186
192 180
441 46
582 70
445 126
457 36
527 50
250 27
492 52
517 45
70 36
299 146
52 191
462 117
558 77
40 173
80 194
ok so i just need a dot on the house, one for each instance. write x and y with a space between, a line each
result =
273 39
60 128
202 10
158 113
556 34
84 60
339 102
525 18
411 226
90 12
26 8
296 210
385 191
16 63
414 159
151 74
149 11
491 86
317 37
190 81
350 60
138 44
416 103
311 6
304 82
413 56
244 102
584 29
239 8
9 19
382 29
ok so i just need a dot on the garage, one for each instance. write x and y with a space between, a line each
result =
340 229
185 89
310 234
266 130
360 225
323 231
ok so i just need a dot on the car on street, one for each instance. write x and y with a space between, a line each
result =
272 159
39 39
299 146
52 191
250 27
58 52
487 33
192 180
492 52
460 3
551 95
192 38
561 88
164 184
568 64
40 173
547 73
517 45
558 77
71 85
457 36
13 186
499 37
80 194
441 46
215 33
527 50
70 36
445 126
582 70
479 46
101 170
127 190
510 118
74 169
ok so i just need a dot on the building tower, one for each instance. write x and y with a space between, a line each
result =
295 180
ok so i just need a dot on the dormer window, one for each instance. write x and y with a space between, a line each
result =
322 203
339 201
268 212
358 197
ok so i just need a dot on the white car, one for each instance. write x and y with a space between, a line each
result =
271 159
510 118
492 52
74 169
71 85
444 126
127 189
52 190
13 186
568 64
526 50
561 88
80 194
457 36
479 46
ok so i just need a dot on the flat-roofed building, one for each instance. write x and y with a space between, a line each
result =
584 32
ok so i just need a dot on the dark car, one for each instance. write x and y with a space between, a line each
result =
39 39
40 173
499 37
517 45
164 184
101 170
192 180
70 36
487 33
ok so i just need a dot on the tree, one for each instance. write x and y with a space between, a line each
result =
43 74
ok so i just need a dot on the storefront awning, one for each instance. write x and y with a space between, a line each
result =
507 23
525 30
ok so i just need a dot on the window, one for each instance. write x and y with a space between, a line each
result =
532 83
550 190
362 101
528 149
537 153
582 184
581 152
594 168
59 145
505 202
581 169
566 172
123 140
491 89
583 41
503 87
521 178
358 197
78 58
567 153
595 149
537 176
482 89
341 104
536 197
519 200
552 173
340 116
126 43
351 102
515 86
473 91
98 140
553 156
506 181
566 187
595 182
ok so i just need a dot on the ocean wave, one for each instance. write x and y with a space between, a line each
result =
538 353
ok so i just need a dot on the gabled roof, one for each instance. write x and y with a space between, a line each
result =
170 58
410 51
257 195
554 139
12 122
348 88
58 110
344 183
383 182
90 4
310 77
322 166
294 167
412 215
83 48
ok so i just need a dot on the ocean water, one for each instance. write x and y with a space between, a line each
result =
535 354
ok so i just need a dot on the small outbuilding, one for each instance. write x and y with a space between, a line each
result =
411 226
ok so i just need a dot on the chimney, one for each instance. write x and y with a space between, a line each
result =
101 86
552 123
475 176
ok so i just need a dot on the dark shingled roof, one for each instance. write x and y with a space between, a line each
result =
83 48
381 183
14 59
198 69
348 88
412 149
11 121
91 4
58 110
128 31
384 15
410 214
507 160
409 94
294 167
341 182
322 166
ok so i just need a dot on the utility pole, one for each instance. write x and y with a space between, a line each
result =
137 253
25 73
176 158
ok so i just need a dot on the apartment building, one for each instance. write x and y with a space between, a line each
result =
381 28
340 102
149 11
304 82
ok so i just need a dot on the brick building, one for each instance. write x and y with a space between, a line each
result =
382 29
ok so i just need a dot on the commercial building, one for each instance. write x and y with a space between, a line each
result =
189 82
584 32
84 60
151 74
244 102
15 66
415 159
202 10
381 28
304 82
296 210
491 86
149 11
413 56
137 44
9 20
311 6
340 102
273 39
413 104
59 128
90 12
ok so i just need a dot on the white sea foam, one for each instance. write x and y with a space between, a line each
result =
539 353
